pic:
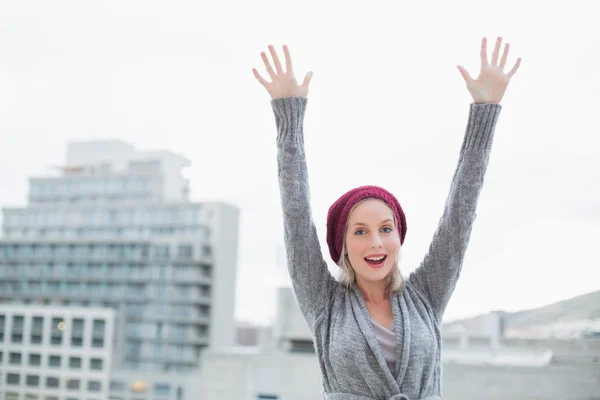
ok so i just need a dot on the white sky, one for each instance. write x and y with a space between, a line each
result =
387 106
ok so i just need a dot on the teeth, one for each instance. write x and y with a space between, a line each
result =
375 259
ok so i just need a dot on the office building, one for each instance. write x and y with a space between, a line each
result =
114 227
55 353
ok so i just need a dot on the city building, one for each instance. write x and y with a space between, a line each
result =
282 366
55 353
114 227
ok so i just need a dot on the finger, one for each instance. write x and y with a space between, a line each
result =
288 59
267 64
504 56
260 78
484 60
275 60
496 51
515 68
307 79
464 74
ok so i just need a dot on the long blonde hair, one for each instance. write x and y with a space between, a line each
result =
347 276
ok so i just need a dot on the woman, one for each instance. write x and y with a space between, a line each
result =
377 336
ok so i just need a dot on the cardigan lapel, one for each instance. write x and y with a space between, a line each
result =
402 325
364 323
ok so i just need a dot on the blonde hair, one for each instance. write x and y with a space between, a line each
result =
347 276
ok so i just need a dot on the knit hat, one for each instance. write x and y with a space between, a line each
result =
340 210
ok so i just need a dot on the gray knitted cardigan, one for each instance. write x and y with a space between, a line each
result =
350 358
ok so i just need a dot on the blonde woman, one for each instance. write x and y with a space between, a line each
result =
377 336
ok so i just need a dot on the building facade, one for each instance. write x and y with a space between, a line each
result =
55 353
115 228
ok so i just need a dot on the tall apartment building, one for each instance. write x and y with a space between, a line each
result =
116 228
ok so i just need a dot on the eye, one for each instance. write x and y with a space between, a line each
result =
387 229
359 232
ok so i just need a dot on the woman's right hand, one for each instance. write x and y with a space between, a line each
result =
283 83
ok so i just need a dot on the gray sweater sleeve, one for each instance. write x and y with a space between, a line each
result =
311 280
438 273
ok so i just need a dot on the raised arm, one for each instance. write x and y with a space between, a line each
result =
311 280
438 273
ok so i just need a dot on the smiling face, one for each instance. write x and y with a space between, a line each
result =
372 240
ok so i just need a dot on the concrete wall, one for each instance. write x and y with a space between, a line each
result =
554 382
224 226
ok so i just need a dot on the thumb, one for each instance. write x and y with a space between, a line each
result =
307 79
464 74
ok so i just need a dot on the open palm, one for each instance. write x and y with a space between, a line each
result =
283 83
491 84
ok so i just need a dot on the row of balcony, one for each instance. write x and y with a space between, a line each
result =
109 277
11 294
105 257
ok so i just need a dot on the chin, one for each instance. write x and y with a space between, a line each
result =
375 275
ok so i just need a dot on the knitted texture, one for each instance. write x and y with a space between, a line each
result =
340 211
349 356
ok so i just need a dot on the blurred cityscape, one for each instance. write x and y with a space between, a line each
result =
114 285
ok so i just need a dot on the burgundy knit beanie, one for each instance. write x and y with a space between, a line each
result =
340 210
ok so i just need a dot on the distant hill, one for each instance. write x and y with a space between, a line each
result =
584 307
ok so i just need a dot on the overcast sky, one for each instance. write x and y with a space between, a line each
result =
387 106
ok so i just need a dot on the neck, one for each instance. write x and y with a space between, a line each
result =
373 292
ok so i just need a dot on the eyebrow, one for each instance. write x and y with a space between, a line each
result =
363 224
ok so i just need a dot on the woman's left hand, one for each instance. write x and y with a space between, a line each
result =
490 85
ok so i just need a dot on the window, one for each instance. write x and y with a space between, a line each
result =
205 290
185 251
75 362
206 251
58 326
202 330
15 359
54 361
161 389
117 386
96 364
37 330
94 386
33 380
13 379
161 251
2 319
35 360
73 384
77 333
139 386
179 331
52 382
17 329
98 333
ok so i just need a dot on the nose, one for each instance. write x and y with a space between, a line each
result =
376 242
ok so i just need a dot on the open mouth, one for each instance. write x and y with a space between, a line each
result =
375 262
